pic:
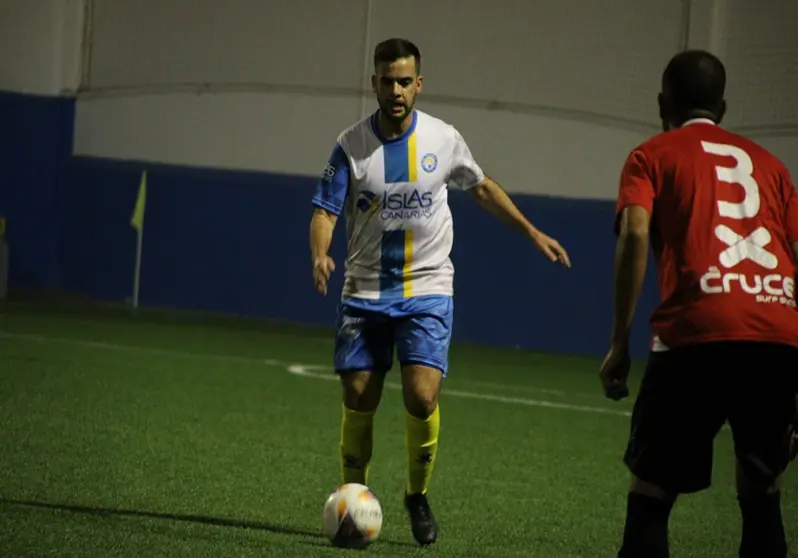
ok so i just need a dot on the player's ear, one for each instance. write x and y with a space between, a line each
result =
664 111
374 83
419 83
721 110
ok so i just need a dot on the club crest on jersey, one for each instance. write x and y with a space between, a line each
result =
429 162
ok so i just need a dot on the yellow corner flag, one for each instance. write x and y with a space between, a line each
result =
137 219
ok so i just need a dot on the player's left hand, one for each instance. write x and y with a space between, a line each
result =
614 373
322 270
551 248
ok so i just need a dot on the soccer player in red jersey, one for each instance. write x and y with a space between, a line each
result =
721 215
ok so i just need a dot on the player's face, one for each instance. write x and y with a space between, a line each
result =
397 84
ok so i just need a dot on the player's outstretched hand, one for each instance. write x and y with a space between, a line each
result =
551 249
322 270
614 372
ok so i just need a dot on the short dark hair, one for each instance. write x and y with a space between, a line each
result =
392 50
694 80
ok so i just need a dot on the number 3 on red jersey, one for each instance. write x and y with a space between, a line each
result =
739 247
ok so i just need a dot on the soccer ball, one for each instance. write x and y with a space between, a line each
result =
352 516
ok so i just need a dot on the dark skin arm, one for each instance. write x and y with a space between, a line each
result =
794 439
631 257
795 255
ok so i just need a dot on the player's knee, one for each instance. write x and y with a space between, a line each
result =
362 390
421 387
753 477
421 404
639 486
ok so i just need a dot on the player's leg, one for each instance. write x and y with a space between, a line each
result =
363 354
674 423
762 417
421 386
362 390
423 341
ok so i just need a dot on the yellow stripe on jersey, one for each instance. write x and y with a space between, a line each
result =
412 161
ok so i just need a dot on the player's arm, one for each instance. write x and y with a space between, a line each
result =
328 201
467 175
795 255
635 204
630 269
492 197
322 225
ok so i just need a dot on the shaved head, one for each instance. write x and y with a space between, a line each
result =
693 86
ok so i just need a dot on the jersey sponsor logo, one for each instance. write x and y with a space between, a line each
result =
412 204
767 288
328 173
368 202
429 162
751 247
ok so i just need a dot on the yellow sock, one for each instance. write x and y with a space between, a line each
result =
421 442
357 437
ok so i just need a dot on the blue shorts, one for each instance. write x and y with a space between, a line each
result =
368 330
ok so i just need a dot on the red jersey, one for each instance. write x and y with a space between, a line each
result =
724 214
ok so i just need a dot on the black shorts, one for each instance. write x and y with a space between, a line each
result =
686 396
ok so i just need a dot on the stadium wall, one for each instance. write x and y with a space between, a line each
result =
39 61
233 133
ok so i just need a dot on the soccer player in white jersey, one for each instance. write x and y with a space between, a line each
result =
389 175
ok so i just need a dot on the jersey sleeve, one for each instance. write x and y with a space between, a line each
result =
333 185
465 172
636 185
791 213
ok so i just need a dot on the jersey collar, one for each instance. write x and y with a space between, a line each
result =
698 121
376 129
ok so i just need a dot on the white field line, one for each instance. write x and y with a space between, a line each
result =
318 372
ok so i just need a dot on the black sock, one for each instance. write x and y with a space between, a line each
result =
763 528
645 534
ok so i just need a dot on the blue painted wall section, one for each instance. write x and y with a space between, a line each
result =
35 147
237 242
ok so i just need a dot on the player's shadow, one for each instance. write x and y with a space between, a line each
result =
202 519
198 519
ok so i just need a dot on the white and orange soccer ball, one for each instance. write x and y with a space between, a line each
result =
352 516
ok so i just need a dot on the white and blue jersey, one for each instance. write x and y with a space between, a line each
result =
393 194
394 197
